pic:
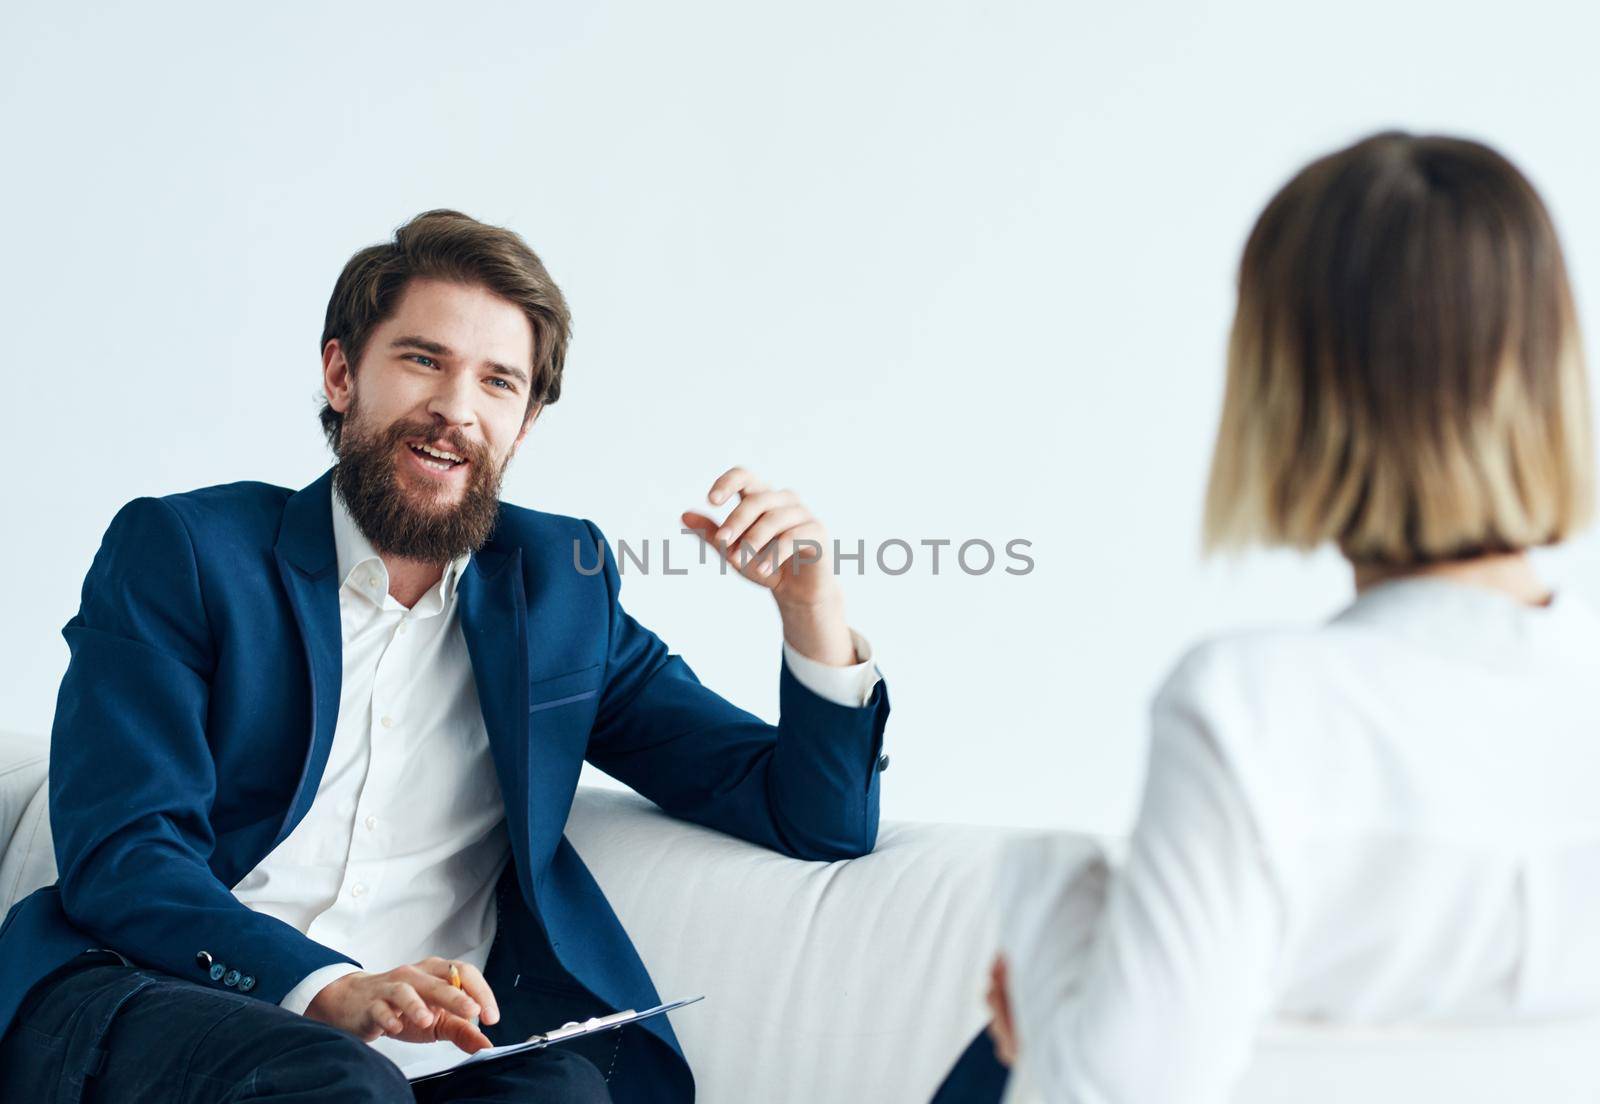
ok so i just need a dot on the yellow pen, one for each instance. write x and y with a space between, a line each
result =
455 976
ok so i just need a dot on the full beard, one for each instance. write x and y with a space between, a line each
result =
400 520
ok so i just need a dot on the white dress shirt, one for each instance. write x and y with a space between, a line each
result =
1390 817
398 856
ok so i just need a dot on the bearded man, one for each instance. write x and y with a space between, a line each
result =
314 750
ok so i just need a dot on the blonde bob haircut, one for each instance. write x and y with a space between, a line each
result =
1405 371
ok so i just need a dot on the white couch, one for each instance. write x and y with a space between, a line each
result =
833 983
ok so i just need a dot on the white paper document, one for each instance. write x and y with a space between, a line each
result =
431 1066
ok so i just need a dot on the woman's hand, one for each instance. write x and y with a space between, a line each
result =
1001 1029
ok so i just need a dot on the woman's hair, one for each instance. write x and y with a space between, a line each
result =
1405 370
448 245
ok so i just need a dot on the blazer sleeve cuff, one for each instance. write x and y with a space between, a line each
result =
850 686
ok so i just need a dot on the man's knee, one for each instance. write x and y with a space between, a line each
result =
316 1057
575 1079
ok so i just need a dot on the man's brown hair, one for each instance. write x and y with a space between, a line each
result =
447 245
1405 372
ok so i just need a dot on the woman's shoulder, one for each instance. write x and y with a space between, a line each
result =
1276 706
1246 669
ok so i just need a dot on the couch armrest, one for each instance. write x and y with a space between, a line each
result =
858 980
23 761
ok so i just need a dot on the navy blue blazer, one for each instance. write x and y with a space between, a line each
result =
194 721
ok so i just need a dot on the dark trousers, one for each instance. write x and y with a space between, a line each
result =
977 1078
101 1030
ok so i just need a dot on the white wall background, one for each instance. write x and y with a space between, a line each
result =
950 270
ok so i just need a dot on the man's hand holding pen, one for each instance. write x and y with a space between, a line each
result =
432 1000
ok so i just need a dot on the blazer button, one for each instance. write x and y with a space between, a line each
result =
246 983
203 960
883 763
231 978
217 970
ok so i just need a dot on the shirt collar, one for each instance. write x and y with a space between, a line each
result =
353 550
1449 616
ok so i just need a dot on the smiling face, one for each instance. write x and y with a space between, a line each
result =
433 412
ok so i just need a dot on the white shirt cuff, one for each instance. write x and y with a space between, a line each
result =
849 686
298 999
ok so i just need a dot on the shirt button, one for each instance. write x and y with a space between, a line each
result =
359 889
387 722
372 580
403 626
371 823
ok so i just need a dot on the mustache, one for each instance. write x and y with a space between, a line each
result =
452 443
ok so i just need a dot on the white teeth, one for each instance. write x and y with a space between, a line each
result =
431 451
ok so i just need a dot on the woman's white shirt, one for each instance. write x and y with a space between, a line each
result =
1394 816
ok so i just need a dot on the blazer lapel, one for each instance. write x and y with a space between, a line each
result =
491 603
307 563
